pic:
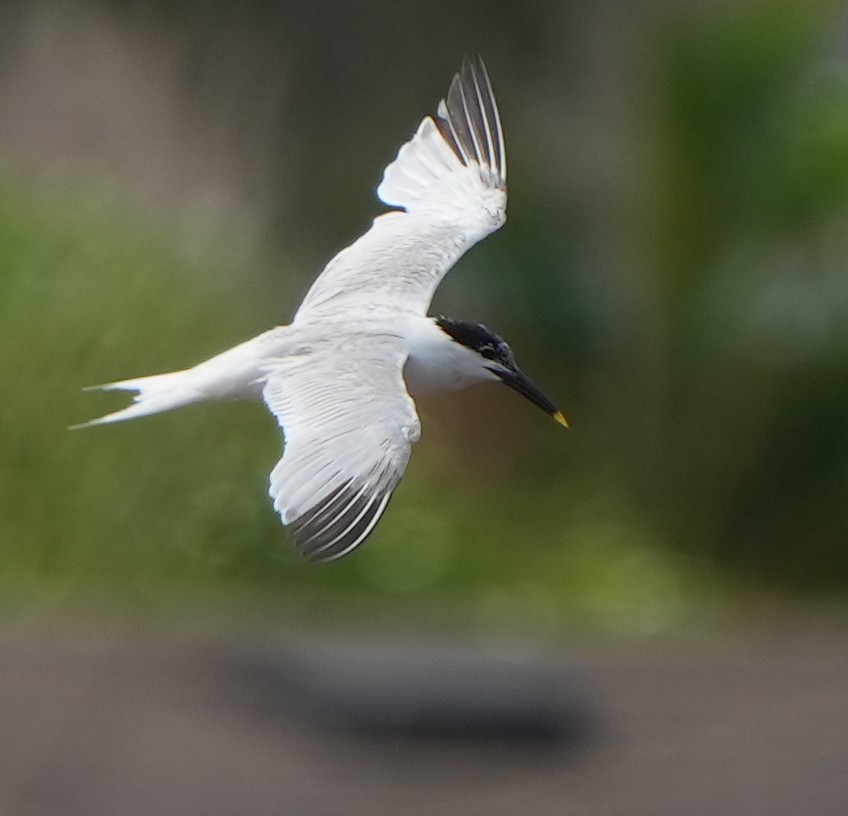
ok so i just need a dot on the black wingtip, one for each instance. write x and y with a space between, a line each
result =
339 523
470 123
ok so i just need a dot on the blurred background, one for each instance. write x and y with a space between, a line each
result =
172 178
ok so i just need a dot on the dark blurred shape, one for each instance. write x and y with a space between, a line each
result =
418 690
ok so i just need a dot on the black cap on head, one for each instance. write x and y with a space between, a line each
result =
492 347
478 338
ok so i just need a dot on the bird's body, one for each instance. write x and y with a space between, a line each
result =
339 376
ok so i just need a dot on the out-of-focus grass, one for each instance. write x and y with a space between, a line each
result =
85 284
173 506
695 337
689 319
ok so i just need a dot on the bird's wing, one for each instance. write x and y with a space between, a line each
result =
349 425
450 182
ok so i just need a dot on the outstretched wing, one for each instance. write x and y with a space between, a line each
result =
450 181
349 425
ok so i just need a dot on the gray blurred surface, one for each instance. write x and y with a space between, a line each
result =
183 725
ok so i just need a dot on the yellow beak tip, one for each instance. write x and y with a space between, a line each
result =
560 417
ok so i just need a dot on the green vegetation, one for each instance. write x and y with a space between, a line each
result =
176 504
696 336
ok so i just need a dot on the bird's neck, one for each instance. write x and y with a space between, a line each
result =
436 362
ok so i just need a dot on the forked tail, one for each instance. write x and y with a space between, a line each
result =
158 393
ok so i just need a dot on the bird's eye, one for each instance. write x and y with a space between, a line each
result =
488 352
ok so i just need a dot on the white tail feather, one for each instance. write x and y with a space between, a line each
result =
237 373
158 393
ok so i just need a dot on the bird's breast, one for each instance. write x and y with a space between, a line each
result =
422 377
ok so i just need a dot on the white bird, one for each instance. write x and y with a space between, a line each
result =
336 377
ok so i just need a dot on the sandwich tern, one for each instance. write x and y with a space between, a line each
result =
336 377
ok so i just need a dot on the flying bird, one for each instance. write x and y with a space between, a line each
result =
338 378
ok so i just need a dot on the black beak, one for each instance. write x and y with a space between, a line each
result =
518 382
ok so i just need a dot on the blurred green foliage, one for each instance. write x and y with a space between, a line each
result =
751 257
175 506
696 334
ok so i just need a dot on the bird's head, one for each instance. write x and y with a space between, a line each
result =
493 359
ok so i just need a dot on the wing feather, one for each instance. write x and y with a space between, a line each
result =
449 182
349 425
